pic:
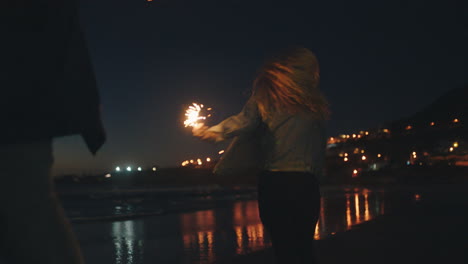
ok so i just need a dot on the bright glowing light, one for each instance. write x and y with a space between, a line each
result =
417 197
139 169
451 149
385 130
362 151
154 169
208 159
355 172
455 144
409 127
221 152
456 120
345 159
379 155
193 115
432 123
117 168
129 168
346 154
199 162
363 158
108 175
341 154
191 161
354 135
367 133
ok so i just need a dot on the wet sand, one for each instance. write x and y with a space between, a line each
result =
358 225
433 230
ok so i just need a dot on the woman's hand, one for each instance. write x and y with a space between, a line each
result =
203 133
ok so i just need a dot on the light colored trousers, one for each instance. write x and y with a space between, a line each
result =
33 226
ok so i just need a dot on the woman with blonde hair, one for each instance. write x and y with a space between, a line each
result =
289 109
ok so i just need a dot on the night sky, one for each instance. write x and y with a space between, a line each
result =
380 61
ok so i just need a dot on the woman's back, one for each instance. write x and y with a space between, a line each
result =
296 142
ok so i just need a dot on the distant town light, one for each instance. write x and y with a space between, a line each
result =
432 123
455 144
154 169
354 135
139 169
451 149
355 172
456 120
108 175
417 197
345 159
385 130
129 168
363 157
221 152
379 155
117 168
191 161
341 154
362 151
346 154
347 136
208 159
367 133
409 127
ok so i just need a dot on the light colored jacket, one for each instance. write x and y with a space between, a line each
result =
295 142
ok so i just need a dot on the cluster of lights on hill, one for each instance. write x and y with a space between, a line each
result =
199 161
194 162
359 155
344 137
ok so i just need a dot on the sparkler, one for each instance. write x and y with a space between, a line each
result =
194 117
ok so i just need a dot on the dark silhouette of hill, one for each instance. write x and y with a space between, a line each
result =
444 110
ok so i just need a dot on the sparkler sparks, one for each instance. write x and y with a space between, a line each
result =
193 115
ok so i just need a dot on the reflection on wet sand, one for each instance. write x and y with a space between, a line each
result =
201 233
248 227
199 228
128 241
198 234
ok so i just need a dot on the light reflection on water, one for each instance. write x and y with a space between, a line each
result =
206 237
230 229
128 241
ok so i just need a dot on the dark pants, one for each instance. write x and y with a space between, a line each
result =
289 206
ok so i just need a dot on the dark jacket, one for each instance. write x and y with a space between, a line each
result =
47 82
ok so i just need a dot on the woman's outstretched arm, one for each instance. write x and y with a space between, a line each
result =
244 122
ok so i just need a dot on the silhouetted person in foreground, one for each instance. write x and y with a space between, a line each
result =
48 90
289 111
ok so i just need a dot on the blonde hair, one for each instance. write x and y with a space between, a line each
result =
289 83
